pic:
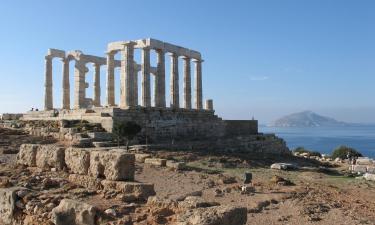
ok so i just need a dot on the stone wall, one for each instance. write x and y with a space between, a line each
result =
240 127
10 116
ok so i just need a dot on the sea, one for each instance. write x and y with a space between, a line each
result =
326 139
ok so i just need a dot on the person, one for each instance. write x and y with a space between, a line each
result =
32 109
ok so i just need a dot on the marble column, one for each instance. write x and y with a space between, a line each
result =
174 88
187 83
111 78
127 76
96 100
79 85
135 84
66 84
146 94
48 100
159 90
198 84
209 105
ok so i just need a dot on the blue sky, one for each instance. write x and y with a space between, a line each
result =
263 58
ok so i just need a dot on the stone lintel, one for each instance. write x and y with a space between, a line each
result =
56 53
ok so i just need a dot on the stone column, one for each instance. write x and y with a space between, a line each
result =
187 83
146 94
135 84
198 84
66 85
160 79
127 76
48 100
96 100
209 105
79 85
111 78
175 97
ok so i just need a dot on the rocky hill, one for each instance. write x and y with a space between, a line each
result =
306 119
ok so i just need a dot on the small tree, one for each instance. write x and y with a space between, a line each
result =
342 152
125 130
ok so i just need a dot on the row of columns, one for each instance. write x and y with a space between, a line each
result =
129 86
80 84
128 80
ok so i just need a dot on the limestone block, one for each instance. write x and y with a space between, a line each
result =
223 215
112 165
283 166
50 156
73 212
364 161
359 168
86 181
77 160
8 198
156 161
369 176
142 190
175 165
140 157
27 154
371 169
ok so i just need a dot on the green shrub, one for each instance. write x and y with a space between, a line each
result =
125 130
342 152
311 153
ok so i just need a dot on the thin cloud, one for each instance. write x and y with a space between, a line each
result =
259 78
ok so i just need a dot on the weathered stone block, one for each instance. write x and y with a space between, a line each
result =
112 165
143 190
283 166
140 157
371 169
369 176
176 165
73 212
8 198
86 181
223 215
77 160
50 156
27 154
364 161
359 168
156 162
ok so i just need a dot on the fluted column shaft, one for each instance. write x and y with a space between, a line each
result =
110 78
198 84
174 88
160 79
146 94
127 76
48 100
79 85
65 85
187 83
96 100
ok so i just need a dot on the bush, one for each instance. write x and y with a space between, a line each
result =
127 130
342 152
311 153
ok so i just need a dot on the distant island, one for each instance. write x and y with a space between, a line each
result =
307 119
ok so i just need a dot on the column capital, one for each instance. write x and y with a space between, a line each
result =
184 57
173 54
198 60
111 53
129 43
48 57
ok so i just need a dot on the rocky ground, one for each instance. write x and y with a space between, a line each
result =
316 193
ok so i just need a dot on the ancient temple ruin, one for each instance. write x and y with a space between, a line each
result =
187 125
129 74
